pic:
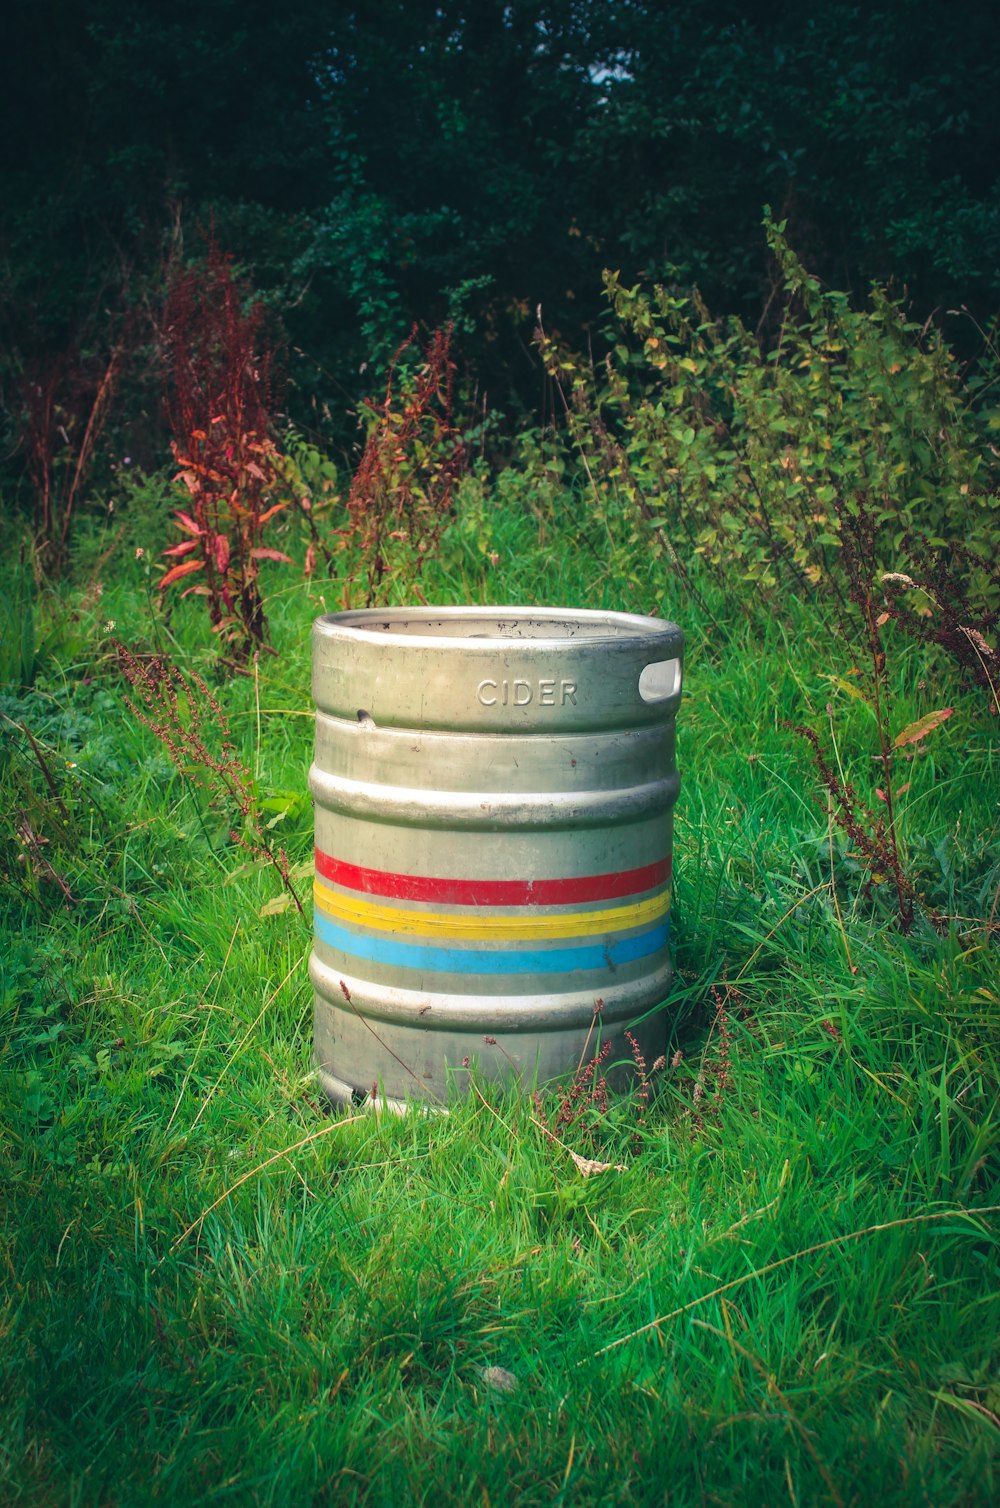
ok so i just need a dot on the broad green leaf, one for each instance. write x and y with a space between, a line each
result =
276 905
854 691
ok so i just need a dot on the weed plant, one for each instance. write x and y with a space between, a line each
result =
219 378
403 489
64 406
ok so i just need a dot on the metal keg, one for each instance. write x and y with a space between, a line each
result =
494 792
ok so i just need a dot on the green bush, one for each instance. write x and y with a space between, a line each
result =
756 461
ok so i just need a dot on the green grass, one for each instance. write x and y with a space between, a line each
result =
213 1291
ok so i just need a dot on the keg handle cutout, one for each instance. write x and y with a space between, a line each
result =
660 680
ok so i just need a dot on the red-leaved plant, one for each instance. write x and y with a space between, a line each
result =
402 492
219 371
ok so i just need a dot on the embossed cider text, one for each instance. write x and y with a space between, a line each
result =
520 693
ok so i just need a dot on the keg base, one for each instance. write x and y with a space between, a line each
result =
408 1064
347 1097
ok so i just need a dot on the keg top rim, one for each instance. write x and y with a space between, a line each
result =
529 626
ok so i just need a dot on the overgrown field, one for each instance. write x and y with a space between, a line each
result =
785 1287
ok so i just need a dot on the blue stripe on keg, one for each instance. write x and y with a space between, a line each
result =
397 954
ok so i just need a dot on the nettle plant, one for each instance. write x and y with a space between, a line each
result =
219 371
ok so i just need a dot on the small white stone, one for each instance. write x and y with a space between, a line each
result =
499 1379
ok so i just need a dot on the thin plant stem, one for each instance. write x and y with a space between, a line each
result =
796 1256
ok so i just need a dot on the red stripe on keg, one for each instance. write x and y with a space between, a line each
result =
412 887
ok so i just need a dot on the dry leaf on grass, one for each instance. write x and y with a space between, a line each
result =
587 1166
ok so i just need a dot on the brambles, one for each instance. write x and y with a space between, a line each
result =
220 370
403 489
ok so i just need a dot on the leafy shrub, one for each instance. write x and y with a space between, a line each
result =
759 462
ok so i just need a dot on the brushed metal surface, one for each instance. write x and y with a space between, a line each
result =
494 793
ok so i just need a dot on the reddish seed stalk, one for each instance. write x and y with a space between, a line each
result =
586 1093
642 1082
158 685
875 837
858 533
403 489
65 409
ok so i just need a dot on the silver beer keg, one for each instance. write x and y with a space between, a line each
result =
494 792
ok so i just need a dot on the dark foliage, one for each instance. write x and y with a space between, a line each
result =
380 164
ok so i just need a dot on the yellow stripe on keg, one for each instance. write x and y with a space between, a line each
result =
483 927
